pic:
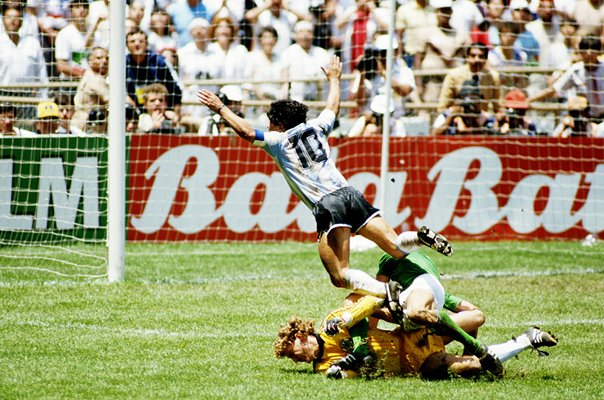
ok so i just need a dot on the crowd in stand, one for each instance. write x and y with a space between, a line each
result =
464 58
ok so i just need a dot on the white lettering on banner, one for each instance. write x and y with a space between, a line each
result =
167 171
9 222
483 211
272 216
591 212
557 215
84 182
396 186
450 174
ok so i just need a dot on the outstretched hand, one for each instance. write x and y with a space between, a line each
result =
209 99
334 69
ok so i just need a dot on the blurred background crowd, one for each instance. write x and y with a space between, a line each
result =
495 67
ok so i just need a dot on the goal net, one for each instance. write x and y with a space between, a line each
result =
449 88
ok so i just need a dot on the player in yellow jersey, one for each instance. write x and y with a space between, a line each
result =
354 348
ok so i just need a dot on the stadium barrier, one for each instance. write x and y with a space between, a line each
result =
221 189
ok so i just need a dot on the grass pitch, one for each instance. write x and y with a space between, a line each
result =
198 321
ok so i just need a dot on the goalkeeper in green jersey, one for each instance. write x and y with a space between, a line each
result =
424 301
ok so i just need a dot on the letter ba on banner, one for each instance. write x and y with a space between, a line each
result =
204 188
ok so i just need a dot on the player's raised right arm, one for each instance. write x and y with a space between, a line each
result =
333 74
243 128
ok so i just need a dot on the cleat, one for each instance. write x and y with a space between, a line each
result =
435 241
540 338
393 292
492 364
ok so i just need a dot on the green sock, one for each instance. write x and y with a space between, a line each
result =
359 334
447 327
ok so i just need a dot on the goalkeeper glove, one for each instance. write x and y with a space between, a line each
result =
332 326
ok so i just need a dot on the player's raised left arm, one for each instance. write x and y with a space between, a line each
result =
333 73
243 128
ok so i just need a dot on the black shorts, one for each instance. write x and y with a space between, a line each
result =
344 207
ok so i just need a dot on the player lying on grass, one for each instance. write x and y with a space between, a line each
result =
360 350
424 301
300 149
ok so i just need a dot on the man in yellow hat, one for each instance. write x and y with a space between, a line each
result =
48 118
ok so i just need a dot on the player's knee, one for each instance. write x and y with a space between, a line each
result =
338 279
423 317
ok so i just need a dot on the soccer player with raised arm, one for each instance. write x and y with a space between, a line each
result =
301 151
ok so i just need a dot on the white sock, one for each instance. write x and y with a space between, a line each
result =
360 282
511 348
407 242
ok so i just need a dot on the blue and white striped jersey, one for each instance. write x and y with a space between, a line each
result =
302 154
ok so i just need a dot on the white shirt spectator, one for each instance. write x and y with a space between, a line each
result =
284 25
23 62
260 67
194 64
70 46
230 64
465 15
299 64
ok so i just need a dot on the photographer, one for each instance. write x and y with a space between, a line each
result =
214 125
464 116
370 76
577 122
514 121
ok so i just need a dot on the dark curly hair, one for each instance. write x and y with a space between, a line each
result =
288 113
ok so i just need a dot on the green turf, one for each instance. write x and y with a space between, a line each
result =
198 321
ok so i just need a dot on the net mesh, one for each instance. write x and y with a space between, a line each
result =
190 179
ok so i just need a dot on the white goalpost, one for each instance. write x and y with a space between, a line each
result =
116 229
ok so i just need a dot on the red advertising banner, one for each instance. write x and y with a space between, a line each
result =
493 188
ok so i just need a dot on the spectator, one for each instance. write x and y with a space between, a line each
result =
136 12
441 48
214 125
144 67
545 29
495 9
525 41
589 14
464 116
371 78
506 55
132 116
229 58
323 16
561 52
515 122
7 122
29 22
92 96
157 118
371 122
48 118
465 16
182 13
73 42
585 78
52 17
277 14
66 111
412 19
265 64
475 69
161 32
357 25
302 60
577 122
21 60
98 21
195 64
